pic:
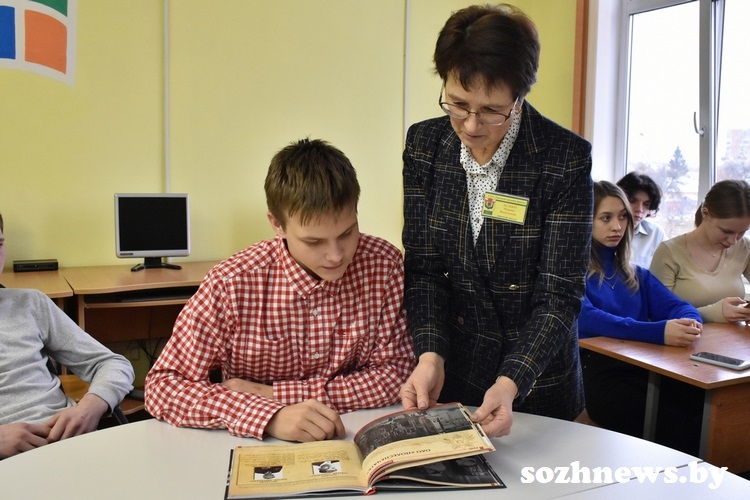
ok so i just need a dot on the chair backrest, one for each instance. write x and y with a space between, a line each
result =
73 387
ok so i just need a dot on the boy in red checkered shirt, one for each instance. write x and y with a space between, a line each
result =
303 327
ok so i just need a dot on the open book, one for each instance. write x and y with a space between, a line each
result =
411 449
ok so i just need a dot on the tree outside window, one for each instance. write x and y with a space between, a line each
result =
686 107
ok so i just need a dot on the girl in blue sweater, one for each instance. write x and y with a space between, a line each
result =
628 302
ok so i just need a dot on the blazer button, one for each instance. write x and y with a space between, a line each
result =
460 320
513 287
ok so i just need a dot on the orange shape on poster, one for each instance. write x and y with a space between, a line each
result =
46 41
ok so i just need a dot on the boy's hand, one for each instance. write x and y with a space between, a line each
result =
307 421
79 419
20 437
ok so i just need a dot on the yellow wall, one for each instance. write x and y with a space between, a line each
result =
64 151
246 77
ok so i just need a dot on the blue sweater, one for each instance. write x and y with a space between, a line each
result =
619 313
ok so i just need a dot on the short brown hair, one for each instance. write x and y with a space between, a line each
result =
497 45
310 178
2 224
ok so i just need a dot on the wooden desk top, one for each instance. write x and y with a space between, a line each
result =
721 338
51 283
112 279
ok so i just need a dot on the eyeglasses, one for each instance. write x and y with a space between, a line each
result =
494 118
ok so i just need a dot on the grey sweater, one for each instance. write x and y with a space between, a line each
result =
33 328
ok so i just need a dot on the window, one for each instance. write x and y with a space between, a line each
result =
684 117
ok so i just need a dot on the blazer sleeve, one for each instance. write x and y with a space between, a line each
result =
427 289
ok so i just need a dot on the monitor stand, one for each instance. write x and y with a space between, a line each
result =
153 262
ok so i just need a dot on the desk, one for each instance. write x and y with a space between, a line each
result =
725 440
109 310
51 283
151 459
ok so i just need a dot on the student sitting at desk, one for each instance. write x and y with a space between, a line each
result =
644 195
706 265
628 302
34 409
303 326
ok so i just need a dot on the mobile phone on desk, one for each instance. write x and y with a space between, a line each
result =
721 360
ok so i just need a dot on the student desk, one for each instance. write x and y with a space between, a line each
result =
116 304
51 283
725 440
153 460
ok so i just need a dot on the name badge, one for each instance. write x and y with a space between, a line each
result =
505 207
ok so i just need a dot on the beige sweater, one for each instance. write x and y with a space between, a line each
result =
674 267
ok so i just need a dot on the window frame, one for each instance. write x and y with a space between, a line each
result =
705 117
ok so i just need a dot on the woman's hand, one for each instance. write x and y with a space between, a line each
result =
423 387
682 332
496 413
735 309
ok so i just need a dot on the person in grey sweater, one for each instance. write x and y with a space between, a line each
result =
34 410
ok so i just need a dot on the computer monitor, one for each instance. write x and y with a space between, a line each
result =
152 226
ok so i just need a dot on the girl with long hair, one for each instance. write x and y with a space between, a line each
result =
628 302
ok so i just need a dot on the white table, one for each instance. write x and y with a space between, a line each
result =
151 459
732 487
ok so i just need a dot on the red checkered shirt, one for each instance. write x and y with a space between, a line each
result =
259 316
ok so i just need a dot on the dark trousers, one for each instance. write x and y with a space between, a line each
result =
616 399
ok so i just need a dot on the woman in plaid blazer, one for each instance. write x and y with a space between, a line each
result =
498 211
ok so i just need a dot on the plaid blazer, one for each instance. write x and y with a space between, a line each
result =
509 305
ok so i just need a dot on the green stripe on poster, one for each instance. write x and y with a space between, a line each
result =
60 6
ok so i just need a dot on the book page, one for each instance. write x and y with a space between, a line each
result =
277 470
415 437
